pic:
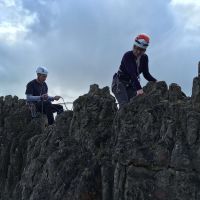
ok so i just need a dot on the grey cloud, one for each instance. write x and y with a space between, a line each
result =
82 42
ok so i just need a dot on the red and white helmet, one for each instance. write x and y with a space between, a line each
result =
142 40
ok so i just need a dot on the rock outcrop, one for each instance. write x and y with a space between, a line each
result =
148 150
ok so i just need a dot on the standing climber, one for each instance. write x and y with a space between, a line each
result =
37 93
126 82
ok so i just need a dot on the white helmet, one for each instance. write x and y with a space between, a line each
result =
42 70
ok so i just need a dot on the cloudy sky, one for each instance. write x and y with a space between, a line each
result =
82 42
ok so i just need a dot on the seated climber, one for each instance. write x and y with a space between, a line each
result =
37 93
126 82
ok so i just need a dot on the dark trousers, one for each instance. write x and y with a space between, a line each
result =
48 108
122 90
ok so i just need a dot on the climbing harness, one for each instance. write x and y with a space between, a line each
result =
34 113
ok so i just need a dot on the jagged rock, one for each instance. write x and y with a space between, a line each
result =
148 150
196 93
175 93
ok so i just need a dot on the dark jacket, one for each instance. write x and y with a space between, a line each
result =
130 71
36 89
